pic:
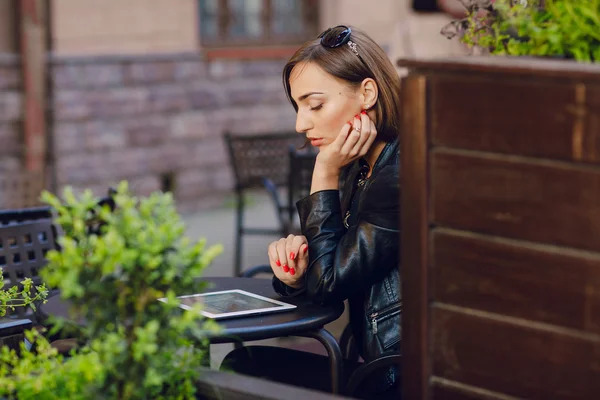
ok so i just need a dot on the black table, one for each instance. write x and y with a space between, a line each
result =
307 320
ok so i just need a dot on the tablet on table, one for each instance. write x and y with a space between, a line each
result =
232 303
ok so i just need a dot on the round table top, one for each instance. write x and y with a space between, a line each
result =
305 317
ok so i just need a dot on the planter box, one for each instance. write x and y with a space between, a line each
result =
501 229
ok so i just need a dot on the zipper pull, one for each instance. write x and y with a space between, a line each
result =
374 323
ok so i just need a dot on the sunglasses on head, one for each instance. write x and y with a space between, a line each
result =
338 36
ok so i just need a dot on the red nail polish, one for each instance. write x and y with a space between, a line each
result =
278 263
292 255
292 271
305 249
364 112
285 268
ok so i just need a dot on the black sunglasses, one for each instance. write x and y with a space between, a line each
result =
338 36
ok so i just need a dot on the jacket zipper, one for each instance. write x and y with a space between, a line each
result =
382 314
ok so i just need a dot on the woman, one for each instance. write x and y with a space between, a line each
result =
345 92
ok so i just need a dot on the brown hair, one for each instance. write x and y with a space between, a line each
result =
342 63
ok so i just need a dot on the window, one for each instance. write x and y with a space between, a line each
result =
257 22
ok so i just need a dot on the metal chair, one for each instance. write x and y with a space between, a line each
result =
12 332
26 235
348 346
362 374
11 217
23 248
259 161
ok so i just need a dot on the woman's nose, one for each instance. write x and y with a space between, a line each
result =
302 123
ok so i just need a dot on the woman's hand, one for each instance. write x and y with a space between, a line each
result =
289 259
352 143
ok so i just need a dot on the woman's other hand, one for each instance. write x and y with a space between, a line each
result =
289 259
353 142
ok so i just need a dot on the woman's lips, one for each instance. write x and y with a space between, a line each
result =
316 142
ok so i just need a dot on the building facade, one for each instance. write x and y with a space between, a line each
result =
143 90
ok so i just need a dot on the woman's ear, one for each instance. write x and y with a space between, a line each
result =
369 93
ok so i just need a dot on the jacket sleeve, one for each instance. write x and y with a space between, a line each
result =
344 262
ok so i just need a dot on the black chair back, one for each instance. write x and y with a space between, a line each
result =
11 217
255 157
302 164
23 249
259 161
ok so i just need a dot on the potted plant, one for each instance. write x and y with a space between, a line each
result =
136 346
544 28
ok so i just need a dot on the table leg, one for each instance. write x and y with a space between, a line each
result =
336 359
206 360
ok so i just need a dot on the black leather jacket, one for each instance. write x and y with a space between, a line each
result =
358 262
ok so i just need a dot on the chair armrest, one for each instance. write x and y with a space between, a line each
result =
253 271
365 370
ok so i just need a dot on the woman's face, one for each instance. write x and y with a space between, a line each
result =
325 103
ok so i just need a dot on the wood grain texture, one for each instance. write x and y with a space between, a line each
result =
494 67
547 202
519 279
513 357
413 142
521 117
444 389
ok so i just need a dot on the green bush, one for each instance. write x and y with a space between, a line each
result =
556 28
138 347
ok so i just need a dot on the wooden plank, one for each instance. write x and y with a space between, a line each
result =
548 202
414 239
514 357
222 385
532 118
494 67
444 389
542 283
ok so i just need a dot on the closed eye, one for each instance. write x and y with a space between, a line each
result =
316 107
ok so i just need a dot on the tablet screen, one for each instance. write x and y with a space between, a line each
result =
231 303
220 303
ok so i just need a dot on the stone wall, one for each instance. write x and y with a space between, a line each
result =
11 113
158 121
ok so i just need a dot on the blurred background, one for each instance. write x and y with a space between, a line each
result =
96 91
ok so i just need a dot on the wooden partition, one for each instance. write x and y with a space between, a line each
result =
501 229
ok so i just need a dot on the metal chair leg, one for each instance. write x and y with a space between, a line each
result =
239 232
336 361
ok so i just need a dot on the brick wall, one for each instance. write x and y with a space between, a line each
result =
11 111
150 119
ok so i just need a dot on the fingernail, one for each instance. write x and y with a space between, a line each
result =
292 271
278 263
350 122
305 249
364 112
292 255
285 268
357 116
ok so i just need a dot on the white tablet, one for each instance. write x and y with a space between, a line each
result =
232 303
